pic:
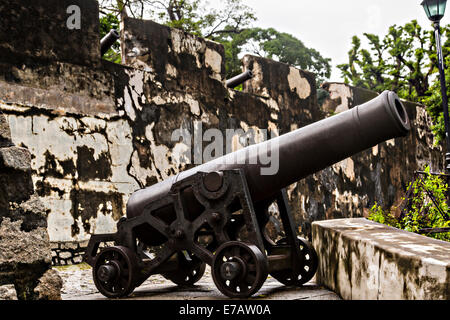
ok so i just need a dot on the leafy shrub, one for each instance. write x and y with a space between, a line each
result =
422 211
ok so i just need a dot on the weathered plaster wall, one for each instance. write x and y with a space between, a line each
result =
99 131
372 261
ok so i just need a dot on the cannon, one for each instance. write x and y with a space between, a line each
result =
217 214
108 40
239 79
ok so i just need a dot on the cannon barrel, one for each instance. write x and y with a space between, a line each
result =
108 40
241 78
301 152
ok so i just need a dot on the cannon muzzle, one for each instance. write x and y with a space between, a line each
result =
239 79
302 152
108 40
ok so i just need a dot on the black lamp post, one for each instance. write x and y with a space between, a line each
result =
435 10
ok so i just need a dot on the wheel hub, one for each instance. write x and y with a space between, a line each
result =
108 272
230 270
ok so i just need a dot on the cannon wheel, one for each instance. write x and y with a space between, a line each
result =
191 270
239 270
113 272
305 272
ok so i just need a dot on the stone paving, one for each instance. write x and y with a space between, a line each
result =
78 285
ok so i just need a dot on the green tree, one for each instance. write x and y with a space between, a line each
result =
193 16
403 61
229 25
272 44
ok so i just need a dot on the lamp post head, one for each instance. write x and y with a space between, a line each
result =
435 9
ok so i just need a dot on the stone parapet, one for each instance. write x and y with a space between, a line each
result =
51 30
363 260
171 53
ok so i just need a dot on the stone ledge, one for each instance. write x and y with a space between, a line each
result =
363 260
29 100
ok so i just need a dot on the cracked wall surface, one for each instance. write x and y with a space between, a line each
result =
99 131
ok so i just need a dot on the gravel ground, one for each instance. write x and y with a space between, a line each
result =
78 285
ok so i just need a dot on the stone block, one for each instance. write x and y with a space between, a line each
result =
18 247
32 213
5 132
363 260
72 246
78 259
16 184
8 292
15 158
65 255
15 187
49 286
25 258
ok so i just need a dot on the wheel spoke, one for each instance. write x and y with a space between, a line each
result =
250 279
244 286
189 272
228 255
107 285
305 268
251 267
247 257
234 284
123 282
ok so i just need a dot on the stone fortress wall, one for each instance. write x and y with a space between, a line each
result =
99 131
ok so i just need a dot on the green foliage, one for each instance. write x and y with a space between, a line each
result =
404 61
377 214
433 101
322 96
422 211
272 44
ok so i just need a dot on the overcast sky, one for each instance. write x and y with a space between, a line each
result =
329 25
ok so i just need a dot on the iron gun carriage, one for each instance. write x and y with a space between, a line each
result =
216 214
